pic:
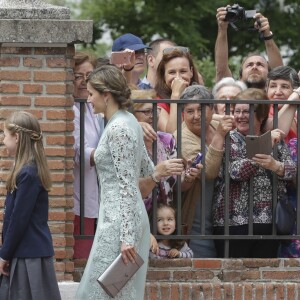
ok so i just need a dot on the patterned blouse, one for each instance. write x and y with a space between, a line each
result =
291 248
166 149
240 171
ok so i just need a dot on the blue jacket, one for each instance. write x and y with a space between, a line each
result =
25 229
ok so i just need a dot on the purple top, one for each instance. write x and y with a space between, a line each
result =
291 248
166 149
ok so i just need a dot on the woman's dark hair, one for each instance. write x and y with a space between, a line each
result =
109 78
261 110
162 89
285 73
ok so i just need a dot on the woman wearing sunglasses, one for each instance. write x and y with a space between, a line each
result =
175 72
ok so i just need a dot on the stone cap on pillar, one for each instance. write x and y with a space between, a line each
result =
39 23
31 9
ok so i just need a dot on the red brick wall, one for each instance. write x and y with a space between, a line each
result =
237 279
39 80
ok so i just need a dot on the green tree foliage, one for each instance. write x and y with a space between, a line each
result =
193 23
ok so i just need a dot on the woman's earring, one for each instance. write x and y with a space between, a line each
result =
105 102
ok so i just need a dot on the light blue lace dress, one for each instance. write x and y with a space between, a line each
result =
121 158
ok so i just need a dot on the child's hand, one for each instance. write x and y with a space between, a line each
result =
173 253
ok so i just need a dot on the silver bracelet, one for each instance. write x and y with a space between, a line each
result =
154 178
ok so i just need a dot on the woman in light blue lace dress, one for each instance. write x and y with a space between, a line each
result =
121 158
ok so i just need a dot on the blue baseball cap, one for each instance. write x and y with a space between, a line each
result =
128 41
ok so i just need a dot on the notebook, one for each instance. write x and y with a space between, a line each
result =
261 144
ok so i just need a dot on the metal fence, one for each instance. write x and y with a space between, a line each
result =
226 236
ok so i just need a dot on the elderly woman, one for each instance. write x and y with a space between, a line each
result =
283 84
226 89
175 72
261 167
193 143
93 128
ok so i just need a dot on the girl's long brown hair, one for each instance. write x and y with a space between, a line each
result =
30 149
174 244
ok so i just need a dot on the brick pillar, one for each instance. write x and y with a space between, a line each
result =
36 59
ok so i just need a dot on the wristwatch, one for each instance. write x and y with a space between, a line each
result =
266 38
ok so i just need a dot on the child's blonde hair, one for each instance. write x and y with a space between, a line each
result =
30 148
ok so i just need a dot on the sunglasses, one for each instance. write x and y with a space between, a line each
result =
148 112
178 48
81 77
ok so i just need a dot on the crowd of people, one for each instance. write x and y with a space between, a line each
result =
132 166
171 73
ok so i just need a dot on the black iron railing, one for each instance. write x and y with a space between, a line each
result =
226 237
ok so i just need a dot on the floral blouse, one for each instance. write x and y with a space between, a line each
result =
241 169
291 248
166 149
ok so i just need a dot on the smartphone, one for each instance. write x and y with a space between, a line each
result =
197 160
120 58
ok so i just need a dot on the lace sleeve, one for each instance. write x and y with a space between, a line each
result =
147 166
124 151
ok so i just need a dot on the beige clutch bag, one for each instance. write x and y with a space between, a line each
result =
118 274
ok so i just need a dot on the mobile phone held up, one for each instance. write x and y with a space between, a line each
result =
197 160
120 58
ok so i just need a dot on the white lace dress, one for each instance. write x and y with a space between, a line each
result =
121 158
